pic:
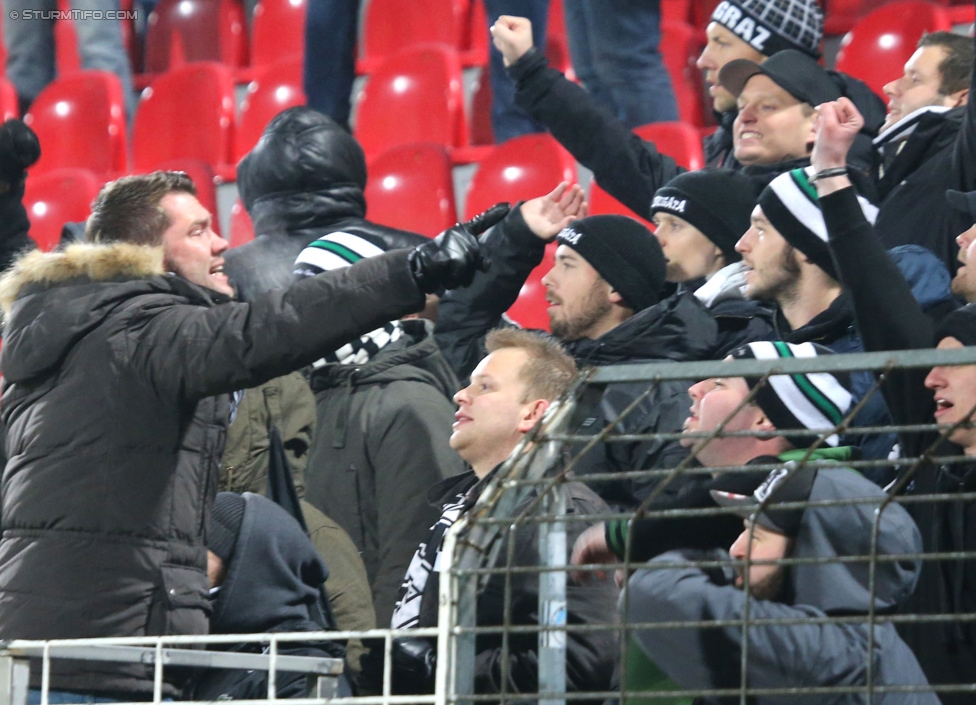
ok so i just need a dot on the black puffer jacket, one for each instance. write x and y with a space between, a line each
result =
676 329
114 432
303 180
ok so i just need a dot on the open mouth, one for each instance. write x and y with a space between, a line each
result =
942 407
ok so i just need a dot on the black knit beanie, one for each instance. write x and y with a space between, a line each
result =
770 26
960 324
718 202
624 252
225 523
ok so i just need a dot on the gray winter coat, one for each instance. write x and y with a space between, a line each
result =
382 441
794 655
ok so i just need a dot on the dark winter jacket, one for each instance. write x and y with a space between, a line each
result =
834 329
271 585
676 329
589 655
114 432
287 404
303 180
940 154
626 166
889 318
793 655
382 441
740 320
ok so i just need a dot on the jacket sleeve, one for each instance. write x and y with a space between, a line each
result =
408 445
192 352
779 656
887 314
590 655
465 316
964 152
624 165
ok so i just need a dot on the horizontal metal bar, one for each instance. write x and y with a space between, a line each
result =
660 371
185 657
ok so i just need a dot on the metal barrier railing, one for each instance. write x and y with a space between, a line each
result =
528 493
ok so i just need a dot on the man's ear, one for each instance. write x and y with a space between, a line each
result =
613 296
534 410
960 97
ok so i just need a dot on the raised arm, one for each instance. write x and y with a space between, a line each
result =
624 165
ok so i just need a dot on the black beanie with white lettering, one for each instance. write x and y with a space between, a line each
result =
718 202
623 252
769 26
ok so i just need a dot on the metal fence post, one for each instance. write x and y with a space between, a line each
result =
14 679
552 597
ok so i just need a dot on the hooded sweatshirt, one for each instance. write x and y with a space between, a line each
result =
793 655
272 584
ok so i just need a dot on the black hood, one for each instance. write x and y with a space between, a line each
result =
274 574
677 329
305 170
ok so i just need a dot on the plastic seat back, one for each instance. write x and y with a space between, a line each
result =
393 25
678 140
279 86
57 197
80 121
277 31
411 187
416 95
522 168
180 31
9 105
680 46
187 113
877 47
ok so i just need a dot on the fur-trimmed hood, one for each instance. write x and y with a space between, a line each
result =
51 300
112 262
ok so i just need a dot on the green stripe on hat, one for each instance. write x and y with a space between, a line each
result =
339 250
799 176
809 390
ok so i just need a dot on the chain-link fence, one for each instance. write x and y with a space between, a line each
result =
828 617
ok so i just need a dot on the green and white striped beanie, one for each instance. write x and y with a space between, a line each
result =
791 205
818 401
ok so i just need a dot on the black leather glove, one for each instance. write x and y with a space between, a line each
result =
19 149
451 259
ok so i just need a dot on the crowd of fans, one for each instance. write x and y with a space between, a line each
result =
367 381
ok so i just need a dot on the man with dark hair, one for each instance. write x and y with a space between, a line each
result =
788 261
605 305
926 146
510 391
119 358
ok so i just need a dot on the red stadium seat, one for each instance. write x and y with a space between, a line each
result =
681 45
530 309
522 168
187 113
80 121
411 187
416 95
841 15
277 31
9 105
57 197
181 31
241 227
678 140
878 46
276 88
557 43
393 25
676 11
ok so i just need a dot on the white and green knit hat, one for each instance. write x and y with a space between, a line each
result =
791 205
818 401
